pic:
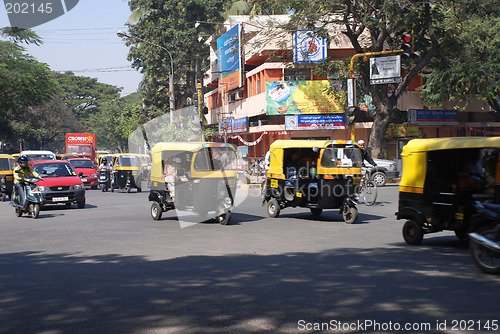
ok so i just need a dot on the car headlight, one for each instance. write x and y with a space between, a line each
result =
78 186
93 175
392 166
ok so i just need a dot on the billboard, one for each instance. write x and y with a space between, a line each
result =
385 70
303 97
433 117
308 47
229 56
314 122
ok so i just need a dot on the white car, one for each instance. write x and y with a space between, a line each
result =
387 169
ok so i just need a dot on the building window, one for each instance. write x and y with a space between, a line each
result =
297 74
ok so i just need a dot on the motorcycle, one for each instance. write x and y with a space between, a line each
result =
32 197
485 241
105 180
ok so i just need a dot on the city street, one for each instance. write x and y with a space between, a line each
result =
110 268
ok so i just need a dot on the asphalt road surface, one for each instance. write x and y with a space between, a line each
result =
109 268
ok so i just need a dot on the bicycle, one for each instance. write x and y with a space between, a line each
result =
367 188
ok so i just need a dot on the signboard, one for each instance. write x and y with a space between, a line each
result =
433 117
314 122
308 47
303 97
240 124
229 57
402 130
385 69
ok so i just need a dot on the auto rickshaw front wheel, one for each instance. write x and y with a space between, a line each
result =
413 233
350 214
273 208
156 211
225 218
316 211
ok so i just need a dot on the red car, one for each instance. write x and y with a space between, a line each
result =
87 167
60 183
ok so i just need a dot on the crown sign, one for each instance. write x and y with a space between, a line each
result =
27 14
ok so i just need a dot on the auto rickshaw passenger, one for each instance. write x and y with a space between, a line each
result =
170 174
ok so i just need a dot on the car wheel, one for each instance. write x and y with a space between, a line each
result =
273 208
379 178
156 211
81 204
413 233
93 187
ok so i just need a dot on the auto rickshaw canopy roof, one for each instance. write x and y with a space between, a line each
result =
187 146
415 156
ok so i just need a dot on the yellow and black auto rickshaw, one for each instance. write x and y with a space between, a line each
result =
197 177
442 178
126 172
7 164
314 174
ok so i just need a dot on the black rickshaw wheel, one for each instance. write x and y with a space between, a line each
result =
316 211
225 218
273 208
413 233
485 259
156 211
350 214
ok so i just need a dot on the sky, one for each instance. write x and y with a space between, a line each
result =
84 41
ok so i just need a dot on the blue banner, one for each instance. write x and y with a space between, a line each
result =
314 122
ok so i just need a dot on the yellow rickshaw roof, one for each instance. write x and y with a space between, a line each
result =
283 144
449 143
187 146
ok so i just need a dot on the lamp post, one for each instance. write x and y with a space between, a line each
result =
122 34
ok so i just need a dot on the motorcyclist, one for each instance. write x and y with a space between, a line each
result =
23 169
104 166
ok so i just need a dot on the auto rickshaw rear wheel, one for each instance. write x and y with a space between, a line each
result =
413 233
316 211
225 218
273 208
350 214
156 211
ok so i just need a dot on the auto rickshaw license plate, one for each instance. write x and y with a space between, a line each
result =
274 183
60 199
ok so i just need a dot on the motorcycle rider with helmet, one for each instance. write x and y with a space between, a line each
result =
104 165
23 169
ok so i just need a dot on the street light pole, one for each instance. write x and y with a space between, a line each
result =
122 34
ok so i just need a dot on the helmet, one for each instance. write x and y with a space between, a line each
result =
23 160
104 160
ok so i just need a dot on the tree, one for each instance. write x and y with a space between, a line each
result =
380 22
171 24
24 82
466 66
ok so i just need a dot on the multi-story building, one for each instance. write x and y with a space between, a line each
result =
260 76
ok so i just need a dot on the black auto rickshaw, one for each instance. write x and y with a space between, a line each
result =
7 164
314 174
126 172
197 177
442 178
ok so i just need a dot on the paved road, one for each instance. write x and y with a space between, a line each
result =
109 268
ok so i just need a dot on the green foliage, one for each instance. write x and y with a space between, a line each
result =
468 65
171 25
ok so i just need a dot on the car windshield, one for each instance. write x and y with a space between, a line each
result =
37 157
54 169
6 164
82 163
128 161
